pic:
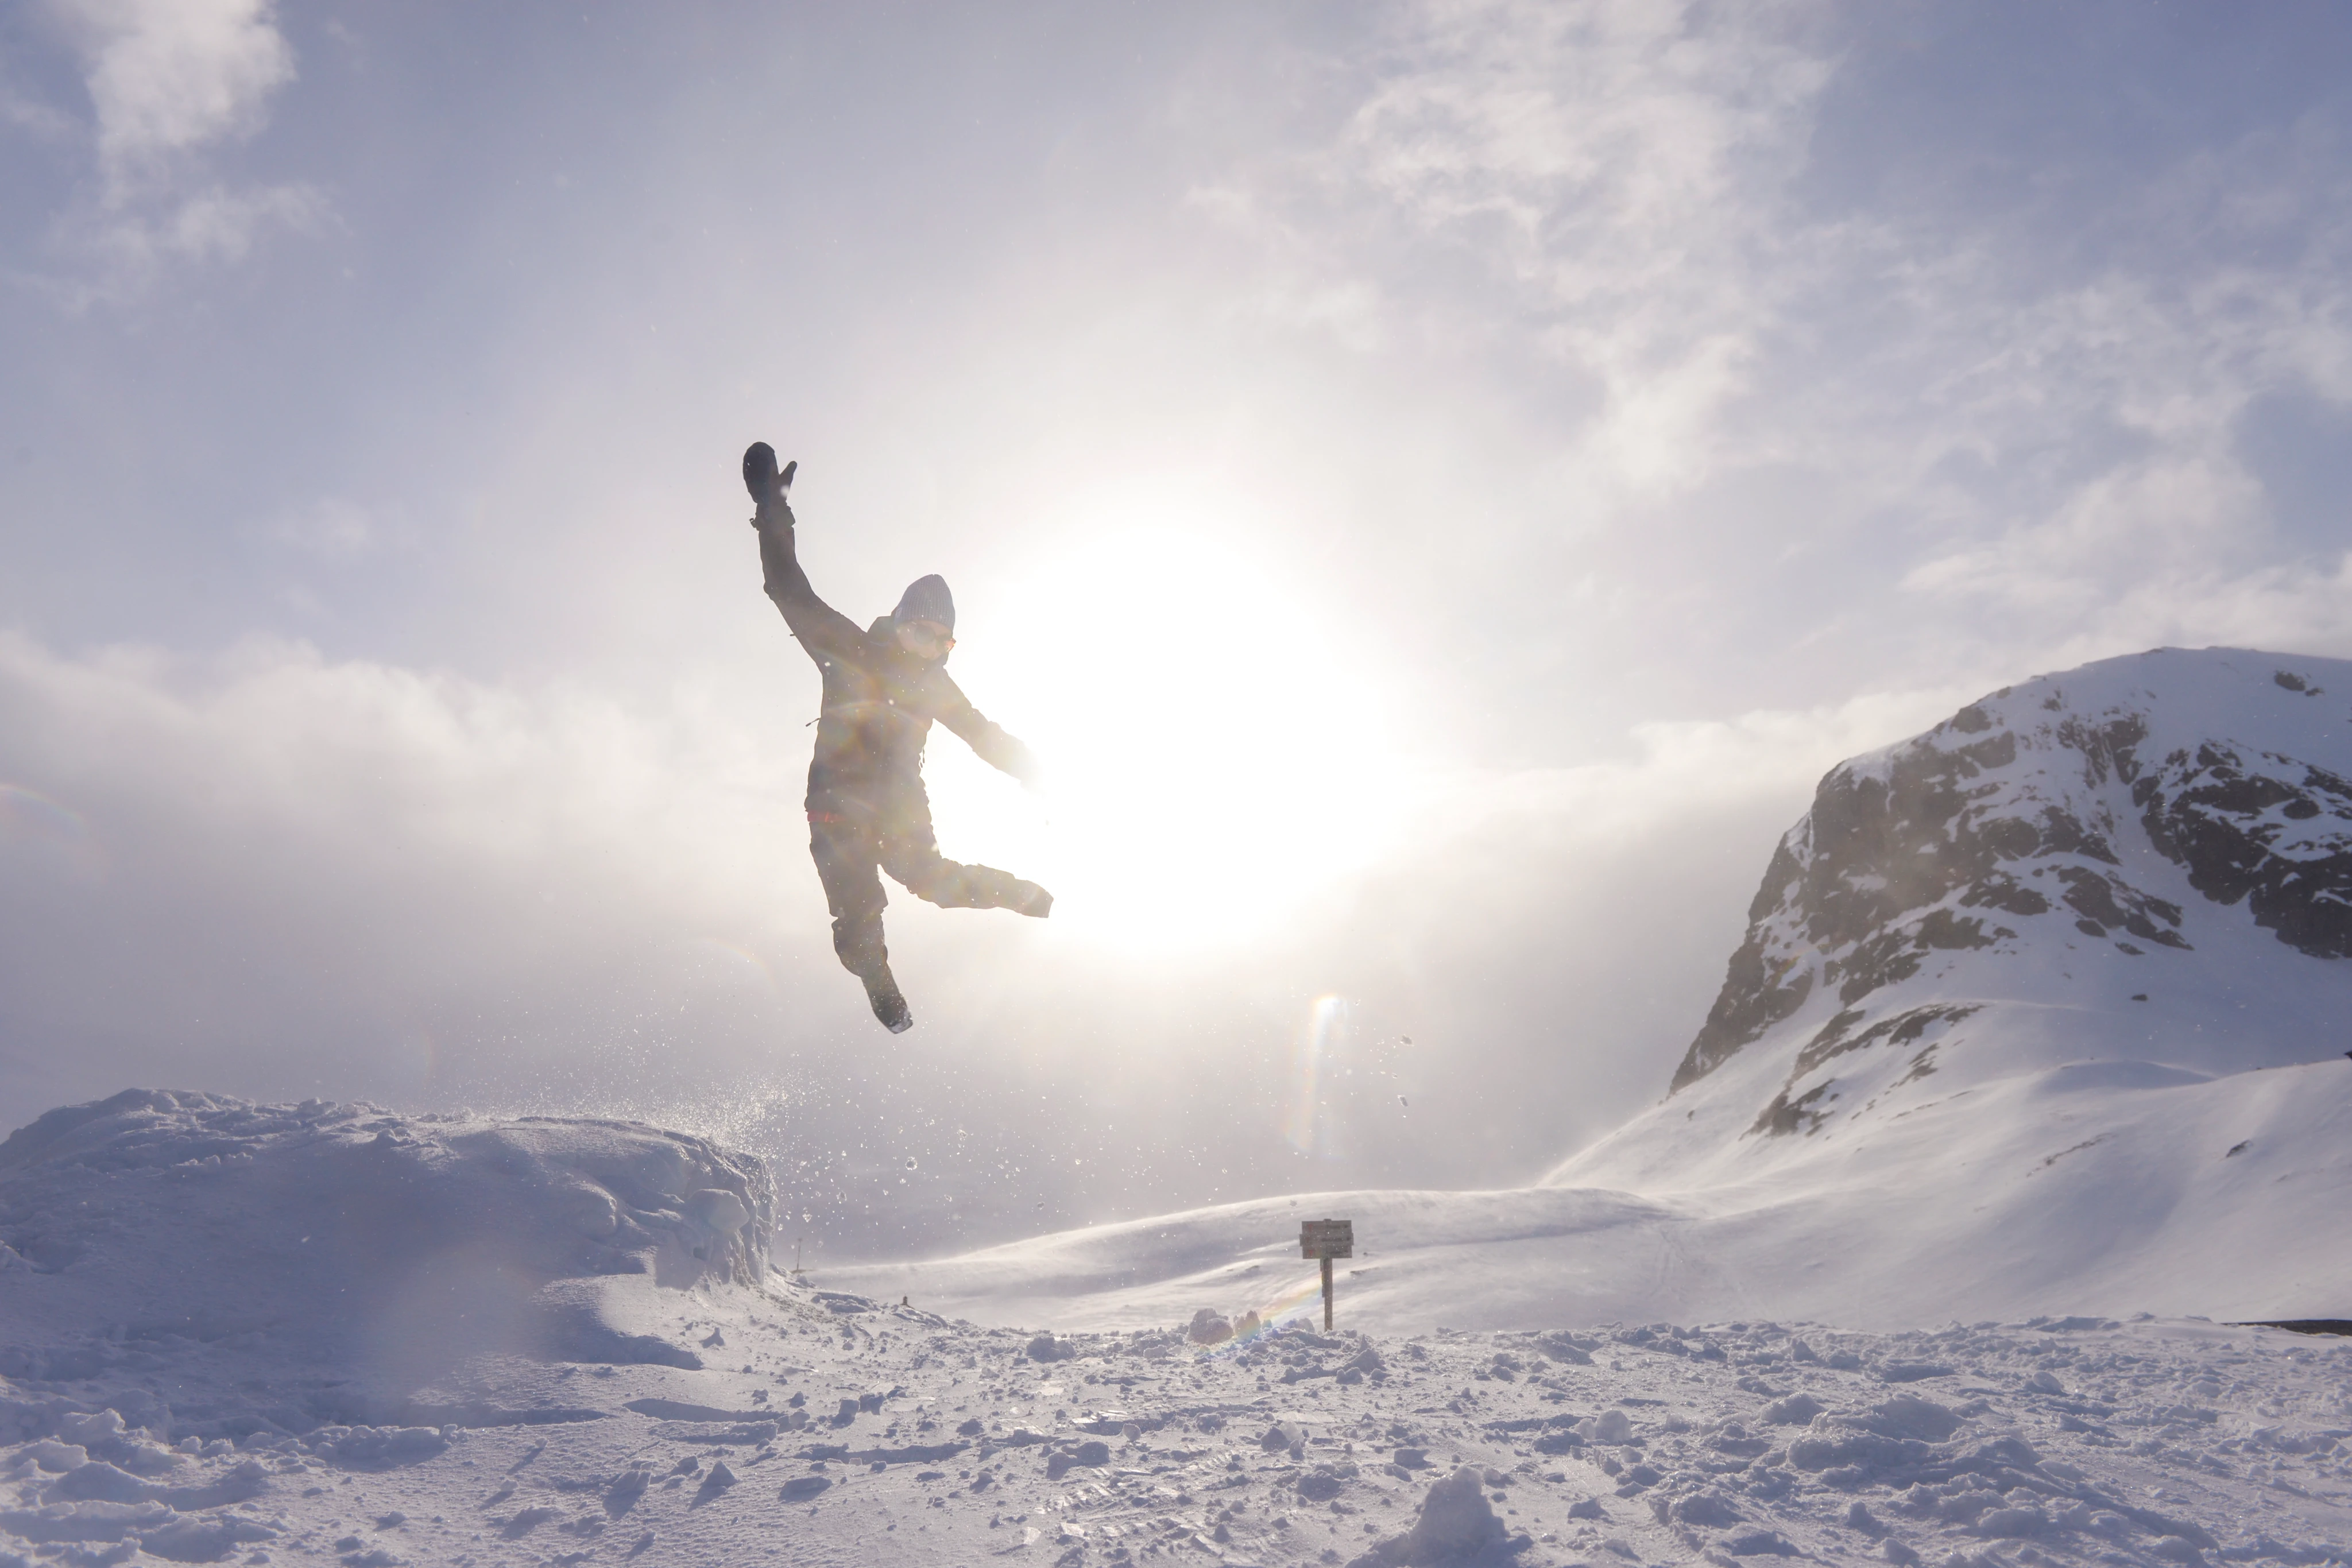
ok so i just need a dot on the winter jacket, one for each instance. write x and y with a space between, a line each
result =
880 702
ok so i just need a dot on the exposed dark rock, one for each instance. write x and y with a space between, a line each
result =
1785 1116
2004 814
2110 901
1903 1029
2001 892
2220 817
1752 999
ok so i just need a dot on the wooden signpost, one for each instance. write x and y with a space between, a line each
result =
1326 1240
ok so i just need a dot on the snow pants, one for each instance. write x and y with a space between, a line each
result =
850 854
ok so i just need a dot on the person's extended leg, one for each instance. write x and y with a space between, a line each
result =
845 856
911 855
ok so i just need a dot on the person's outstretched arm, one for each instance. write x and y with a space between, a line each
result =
986 737
821 628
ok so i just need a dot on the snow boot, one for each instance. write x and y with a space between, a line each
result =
889 1006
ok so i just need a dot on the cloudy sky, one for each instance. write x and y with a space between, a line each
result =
1438 481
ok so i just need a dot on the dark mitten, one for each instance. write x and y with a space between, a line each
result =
768 488
760 471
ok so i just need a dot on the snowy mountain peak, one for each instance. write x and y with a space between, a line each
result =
2137 808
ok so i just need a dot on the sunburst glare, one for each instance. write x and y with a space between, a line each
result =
1213 756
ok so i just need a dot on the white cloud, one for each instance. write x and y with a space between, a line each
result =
167 77
276 844
2165 515
24 111
1683 773
1606 139
1617 169
2112 507
2039 430
129 244
170 81
222 225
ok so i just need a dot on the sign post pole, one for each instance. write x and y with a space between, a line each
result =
1325 1239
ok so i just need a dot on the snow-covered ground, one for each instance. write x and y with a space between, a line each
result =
205 1359
2093 1188
843 1432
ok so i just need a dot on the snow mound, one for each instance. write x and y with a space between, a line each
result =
392 1250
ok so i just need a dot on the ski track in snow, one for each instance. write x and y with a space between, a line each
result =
843 1431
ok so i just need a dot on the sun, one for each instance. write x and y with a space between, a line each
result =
1213 756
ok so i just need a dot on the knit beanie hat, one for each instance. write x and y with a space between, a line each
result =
926 598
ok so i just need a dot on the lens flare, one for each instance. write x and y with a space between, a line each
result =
1292 1303
1301 1301
36 831
28 814
1305 1123
423 1048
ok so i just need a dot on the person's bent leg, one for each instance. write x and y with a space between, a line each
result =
847 860
915 862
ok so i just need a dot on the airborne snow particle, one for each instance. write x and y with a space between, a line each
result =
910 1162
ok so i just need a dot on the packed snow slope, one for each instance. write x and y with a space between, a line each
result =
2042 1011
316 1334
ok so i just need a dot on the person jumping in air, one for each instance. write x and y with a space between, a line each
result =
867 809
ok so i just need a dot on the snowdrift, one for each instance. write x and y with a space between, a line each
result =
369 1257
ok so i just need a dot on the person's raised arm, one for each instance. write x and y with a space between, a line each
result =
819 627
